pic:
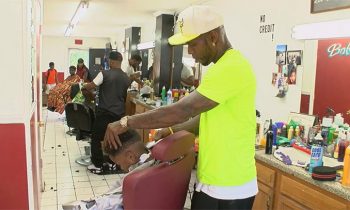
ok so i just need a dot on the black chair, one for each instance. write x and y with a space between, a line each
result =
80 117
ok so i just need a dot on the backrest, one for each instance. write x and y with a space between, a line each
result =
162 186
79 116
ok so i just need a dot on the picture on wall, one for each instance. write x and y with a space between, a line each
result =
294 57
281 54
274 79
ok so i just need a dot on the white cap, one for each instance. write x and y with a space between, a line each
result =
194 21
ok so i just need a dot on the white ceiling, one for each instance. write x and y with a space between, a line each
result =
106 18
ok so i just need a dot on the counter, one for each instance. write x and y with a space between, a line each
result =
290 187
330 186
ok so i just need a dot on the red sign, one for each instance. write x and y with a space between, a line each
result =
78 41
332 77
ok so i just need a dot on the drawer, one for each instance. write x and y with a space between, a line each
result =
266 175
139 109
308 196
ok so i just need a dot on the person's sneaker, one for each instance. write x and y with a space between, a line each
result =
95 170
110 168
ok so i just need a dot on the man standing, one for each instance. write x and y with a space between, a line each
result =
132 68
113 85
187 77
50 79
221 109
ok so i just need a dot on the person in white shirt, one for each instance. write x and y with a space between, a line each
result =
187 77
133 67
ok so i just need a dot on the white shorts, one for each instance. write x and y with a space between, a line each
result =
49 87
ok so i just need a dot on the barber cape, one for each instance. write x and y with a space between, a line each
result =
113 199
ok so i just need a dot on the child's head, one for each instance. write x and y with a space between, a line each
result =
72 70
130 151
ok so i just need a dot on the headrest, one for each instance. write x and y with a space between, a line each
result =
173 146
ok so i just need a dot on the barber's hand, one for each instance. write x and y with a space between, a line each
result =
111 138
164 132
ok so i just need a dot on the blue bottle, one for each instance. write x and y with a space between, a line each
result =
316 153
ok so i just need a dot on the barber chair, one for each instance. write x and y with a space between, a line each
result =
80 117
164 185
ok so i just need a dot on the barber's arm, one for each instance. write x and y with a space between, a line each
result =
179 112
191 126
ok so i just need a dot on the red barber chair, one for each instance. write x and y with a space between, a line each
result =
164 185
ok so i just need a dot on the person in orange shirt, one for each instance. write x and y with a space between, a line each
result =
50 78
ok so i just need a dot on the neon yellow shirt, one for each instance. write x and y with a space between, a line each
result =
227 132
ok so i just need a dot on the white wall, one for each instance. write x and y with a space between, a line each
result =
56 49
242 21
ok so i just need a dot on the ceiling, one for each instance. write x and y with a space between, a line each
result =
106 18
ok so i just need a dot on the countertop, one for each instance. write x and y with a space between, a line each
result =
330 186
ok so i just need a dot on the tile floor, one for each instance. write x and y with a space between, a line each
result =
65 180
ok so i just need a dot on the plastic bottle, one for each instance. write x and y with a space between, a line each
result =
169 97
269 139
346 169
316 152
290 133
338 119
163 94
297 131
284 132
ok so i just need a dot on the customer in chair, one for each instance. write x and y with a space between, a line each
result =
133 156
113 86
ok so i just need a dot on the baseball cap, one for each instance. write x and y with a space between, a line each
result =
194 21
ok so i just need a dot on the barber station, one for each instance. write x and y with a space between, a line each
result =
188 104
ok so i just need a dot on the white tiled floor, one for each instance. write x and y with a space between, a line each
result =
65 180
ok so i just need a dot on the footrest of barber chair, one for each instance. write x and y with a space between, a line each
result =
84 160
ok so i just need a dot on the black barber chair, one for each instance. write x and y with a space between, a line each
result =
80 117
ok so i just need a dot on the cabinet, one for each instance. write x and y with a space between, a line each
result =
263 200
142 132
281 191
285 203
266 182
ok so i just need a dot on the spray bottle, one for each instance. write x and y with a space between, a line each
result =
269 139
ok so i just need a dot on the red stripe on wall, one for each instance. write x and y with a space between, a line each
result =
13 175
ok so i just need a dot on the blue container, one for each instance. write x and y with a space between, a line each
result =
316 155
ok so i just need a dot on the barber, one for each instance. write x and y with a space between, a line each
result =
222 109
113 85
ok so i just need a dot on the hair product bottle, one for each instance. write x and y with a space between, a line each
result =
269 139
346 170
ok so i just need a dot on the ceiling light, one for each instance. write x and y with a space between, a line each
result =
322 30
145 45
79 12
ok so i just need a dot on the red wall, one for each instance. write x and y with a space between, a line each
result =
13 175
333 77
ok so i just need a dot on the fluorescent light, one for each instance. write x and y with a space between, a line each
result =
145 45
79 12
322 30
68 31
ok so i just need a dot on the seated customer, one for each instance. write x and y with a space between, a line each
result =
60 94
131 157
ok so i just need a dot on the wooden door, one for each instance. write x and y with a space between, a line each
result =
285 203
263 200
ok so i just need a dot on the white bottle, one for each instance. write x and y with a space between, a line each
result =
169 97
338 119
